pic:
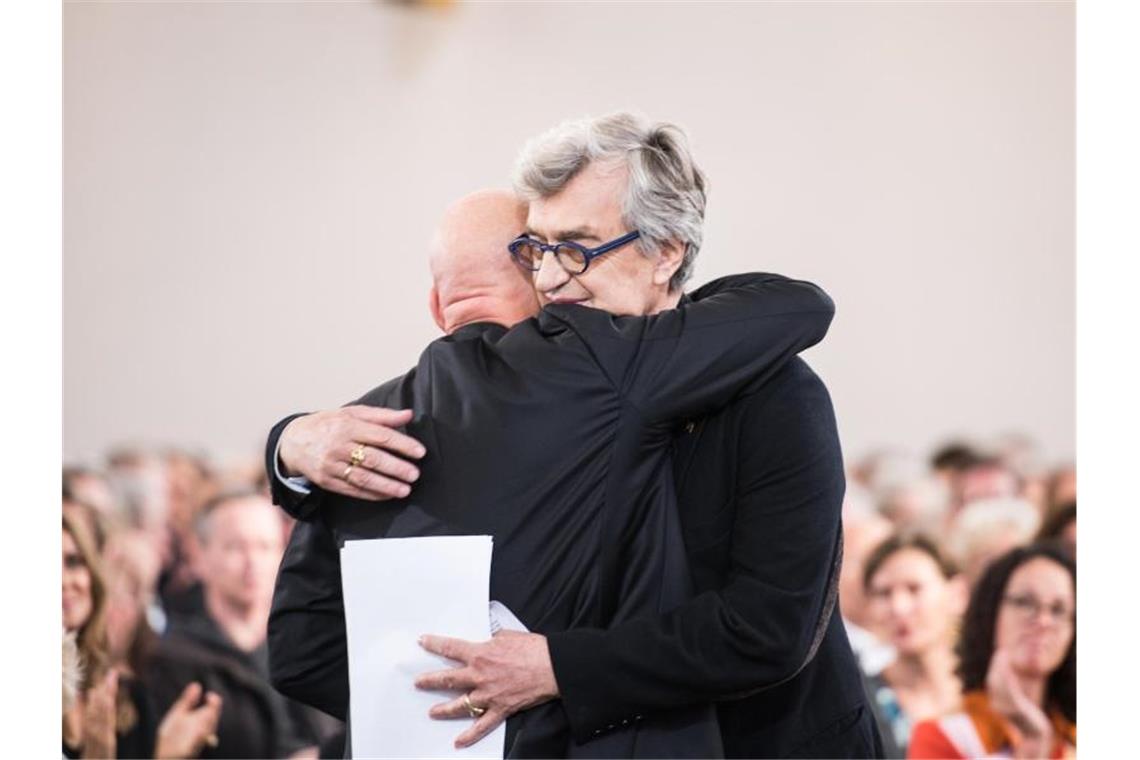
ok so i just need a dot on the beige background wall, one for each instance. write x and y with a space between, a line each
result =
249 188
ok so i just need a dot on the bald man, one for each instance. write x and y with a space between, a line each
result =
552 434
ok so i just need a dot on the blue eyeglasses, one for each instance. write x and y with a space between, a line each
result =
573 257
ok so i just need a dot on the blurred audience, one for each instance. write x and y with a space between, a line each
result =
987 478
864 528
921 505
108 715
1060 489
1061 526
134 618
95 524
915 598
90 487
169 563
240 546
988 528
1018 653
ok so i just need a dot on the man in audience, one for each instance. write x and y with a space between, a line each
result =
224 649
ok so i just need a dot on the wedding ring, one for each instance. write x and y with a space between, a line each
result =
474 711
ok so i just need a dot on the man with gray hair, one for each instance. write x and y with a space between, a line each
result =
759 484
224 648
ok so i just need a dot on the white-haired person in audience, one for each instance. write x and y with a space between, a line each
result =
918 505
988 528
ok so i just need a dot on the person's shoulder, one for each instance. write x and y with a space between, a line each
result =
789 420
794 386
591 324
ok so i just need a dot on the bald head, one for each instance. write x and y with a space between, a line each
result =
474 278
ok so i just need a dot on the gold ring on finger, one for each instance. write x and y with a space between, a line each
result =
357 455
474 711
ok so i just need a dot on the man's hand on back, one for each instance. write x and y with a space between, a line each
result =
320 447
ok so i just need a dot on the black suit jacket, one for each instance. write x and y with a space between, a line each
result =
760 487
554 437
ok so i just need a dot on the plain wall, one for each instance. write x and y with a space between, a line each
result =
250 187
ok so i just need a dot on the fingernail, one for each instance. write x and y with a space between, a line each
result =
420 451
404 490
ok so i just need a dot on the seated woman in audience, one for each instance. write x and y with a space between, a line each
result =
1018 664
109 716
915 599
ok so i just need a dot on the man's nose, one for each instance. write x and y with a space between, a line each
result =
551 275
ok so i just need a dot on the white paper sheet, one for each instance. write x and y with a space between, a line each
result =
394 590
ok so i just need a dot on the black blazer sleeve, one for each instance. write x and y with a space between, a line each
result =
763 624
296 505
308 650
394 393
732 333
308 647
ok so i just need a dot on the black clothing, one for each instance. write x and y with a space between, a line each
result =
138 741
554 437
256 721
760 486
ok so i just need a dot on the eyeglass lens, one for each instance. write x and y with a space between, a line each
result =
1030 607
530 254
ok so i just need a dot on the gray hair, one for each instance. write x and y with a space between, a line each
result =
665 195
1012 517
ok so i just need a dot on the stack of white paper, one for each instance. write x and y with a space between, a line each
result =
396 589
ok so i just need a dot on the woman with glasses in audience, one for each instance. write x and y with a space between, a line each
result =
915 598
111 716
1018 664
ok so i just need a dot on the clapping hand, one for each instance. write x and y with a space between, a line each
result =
99 717
188 726
1009 699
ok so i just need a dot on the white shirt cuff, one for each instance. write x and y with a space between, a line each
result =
299 484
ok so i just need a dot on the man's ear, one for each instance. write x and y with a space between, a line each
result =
433 305
669 258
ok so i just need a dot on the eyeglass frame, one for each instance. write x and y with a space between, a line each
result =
1030 607
588 254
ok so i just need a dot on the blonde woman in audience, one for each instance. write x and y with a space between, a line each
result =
110 716
915 599
988 528
1018 664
